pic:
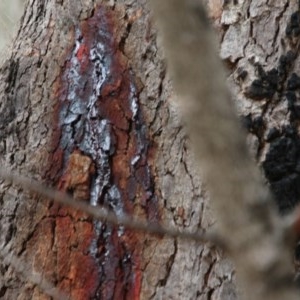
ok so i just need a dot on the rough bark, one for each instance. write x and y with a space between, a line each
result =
75 68
255 234
260 43
140 160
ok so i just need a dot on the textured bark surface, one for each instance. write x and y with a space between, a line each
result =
87 107
255 234
260 46
260 43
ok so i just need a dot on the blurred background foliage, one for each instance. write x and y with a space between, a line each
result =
10 14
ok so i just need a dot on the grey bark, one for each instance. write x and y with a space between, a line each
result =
255 38
255 235
171 268
264 47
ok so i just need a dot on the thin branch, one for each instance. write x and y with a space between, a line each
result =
105 215
245 210
36 278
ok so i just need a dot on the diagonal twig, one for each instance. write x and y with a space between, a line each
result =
104 214
246 214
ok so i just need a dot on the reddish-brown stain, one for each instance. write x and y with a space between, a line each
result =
100 133
78 175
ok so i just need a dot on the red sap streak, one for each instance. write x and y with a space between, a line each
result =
98 113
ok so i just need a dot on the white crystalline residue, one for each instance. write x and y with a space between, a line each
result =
99 85
99 76
106 145
135 160
127 257
93 54
106 254
77 107
107 233
100 46
114 193
70 118
121 230
71 94
103 124
95 192
93 246
93 112
91 106
133 105
104 135
116 201
100 72
77 44
74 72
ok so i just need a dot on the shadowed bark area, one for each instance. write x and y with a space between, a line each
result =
260 42
260 45
87 107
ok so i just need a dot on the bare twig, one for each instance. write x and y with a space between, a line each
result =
104 214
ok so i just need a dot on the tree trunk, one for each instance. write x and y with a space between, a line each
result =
87 107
